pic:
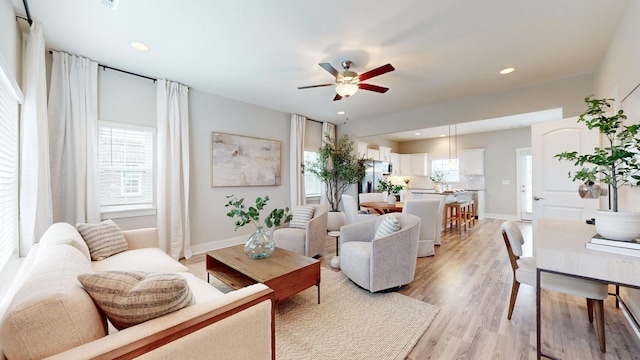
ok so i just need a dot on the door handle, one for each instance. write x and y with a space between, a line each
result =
537 198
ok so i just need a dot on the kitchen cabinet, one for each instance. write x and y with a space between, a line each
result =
395 164
413 165
472 162
373 154
361 148
385 153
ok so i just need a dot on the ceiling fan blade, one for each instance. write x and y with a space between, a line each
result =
314 86
375 88
330 69
375 72
338 97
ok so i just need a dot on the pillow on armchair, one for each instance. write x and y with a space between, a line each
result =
388 226
301 216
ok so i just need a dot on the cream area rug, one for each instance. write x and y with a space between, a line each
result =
349 323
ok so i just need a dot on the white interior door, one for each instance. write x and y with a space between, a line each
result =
525 183
555 195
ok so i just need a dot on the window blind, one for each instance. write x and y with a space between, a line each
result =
125 165
8 173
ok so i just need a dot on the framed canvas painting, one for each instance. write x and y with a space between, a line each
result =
238 160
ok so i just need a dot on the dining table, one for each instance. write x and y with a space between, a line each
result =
382 207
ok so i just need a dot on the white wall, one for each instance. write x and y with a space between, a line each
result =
617 75
9 37
209 113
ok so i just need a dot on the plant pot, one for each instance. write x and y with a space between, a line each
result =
622 225
437 187
335 219
260 244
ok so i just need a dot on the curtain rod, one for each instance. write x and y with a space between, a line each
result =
122 71
26 9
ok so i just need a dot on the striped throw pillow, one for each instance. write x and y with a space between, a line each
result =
103 239
301 216
129 298
388 226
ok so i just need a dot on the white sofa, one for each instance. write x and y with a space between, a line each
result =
50 314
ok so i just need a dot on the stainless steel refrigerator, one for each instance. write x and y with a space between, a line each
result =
375 172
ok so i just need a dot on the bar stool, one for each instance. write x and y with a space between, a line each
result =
457 212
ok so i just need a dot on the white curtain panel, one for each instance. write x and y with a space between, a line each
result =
328 129
73 130
35 179
296 159
173 169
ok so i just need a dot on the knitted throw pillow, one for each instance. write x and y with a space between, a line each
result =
103 239
129 298
388 226
301 216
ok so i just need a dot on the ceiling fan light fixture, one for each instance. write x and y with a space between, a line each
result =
346 90
508 70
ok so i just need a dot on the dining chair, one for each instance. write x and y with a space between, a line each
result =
427 211
351 214
524 271
370 197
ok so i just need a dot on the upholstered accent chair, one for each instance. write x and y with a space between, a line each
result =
307 239
427 211
384 261
524 271
351 213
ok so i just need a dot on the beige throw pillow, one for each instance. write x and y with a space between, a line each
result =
388 226
301 216
103 239
129 298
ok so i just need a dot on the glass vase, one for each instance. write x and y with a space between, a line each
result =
260 244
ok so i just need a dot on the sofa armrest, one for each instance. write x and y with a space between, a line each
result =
141 238
211 329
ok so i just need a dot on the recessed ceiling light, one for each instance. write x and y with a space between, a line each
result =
139 46
443 135
340 112
508 70
416 134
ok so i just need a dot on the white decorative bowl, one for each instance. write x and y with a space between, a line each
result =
622 225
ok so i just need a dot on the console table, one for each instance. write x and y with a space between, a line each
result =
559 248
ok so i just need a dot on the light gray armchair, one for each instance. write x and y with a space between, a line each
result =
383 263
309 241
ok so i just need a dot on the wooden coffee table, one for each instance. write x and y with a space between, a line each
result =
285 272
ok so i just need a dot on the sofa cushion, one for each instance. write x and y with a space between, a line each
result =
64 234
104 239
388 226
51 312
146 259
129 298
301 216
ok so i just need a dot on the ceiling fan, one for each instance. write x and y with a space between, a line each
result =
348 82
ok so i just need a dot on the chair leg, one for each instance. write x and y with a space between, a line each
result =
590 303
599 308
514 294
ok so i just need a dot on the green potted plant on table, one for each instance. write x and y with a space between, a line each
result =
438 177
337 167
260 244
616 165
391 189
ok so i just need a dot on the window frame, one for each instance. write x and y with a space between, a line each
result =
307 176
436 168
131 210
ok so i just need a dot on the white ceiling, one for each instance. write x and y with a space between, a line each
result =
259 51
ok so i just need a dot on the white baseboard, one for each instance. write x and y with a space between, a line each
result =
219 244
501 216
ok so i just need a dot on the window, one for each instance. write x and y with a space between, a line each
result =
451 167
8 171
312 185
125 161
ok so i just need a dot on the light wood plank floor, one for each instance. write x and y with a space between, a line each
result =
470 278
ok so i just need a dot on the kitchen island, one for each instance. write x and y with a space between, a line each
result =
477 195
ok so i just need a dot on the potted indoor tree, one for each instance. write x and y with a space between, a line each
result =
337 167
615 164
